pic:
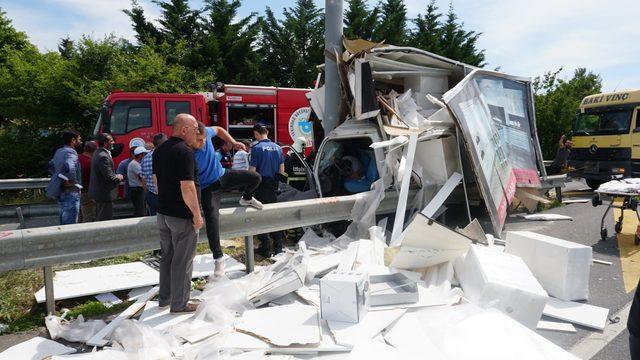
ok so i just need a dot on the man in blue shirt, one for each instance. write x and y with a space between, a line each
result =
214 179
65 178
122 170
267 160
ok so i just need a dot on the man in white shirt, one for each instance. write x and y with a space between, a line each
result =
241 157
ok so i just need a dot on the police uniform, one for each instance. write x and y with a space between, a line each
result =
266 157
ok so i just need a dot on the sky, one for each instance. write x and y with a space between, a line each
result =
521 37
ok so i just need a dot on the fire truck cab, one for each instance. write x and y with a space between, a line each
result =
133 118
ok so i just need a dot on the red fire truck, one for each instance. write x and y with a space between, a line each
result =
133 118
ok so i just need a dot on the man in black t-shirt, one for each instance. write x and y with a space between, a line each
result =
179 219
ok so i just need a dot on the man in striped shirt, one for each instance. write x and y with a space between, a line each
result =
151 195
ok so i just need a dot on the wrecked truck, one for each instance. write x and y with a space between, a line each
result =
467 120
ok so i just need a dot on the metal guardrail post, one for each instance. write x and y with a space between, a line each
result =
248 253
20 217
48 290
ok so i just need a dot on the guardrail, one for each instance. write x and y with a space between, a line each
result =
53 245
19 184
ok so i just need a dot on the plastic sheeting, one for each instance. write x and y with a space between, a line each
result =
140 341
77 330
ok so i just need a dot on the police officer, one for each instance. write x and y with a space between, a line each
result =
267 160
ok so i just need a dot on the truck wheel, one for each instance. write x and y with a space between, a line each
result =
594 184
633 203
618 227
603 234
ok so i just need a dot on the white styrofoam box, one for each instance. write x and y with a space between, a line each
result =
344 296
493 279
438 158
562 267
430 81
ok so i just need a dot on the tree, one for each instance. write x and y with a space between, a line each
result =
459 44
228 44
359 20
66 48
556 102
178 20
428 33
11 39
392 27
146 32
292 46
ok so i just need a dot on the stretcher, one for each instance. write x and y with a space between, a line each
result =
629 202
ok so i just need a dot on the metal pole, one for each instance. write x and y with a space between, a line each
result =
20 217
464 183
48 290
332 45
248 253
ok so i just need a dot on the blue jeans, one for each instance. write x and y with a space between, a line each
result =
69 202
152 202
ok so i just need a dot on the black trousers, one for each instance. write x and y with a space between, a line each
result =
244 180
136 195
104 210
634 346
267 194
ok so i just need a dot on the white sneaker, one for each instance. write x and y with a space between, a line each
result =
219 267
253 202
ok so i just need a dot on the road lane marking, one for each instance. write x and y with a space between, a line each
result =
628 251
596 341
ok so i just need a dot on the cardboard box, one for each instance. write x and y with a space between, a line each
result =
492 279
344 296
562 267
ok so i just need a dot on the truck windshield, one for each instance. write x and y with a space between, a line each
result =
603 122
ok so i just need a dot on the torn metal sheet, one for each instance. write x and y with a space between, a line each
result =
37 348
495 113
160 319
100 339
427 243
71 284
578 313
283 325
348 334
556 326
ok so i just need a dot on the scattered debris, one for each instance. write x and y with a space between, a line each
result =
283 325
348 334
546 217
392 289
578 313
602 262
556 326
108 299
159 318
502 281
344 296
575 201
3 328
37 348
562 267
77 330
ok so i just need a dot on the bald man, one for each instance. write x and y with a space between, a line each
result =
179 219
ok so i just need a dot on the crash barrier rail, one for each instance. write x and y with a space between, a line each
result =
19 184
53 245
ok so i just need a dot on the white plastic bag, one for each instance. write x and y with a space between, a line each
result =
77 330
140 341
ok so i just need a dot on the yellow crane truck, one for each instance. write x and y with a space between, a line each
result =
606 138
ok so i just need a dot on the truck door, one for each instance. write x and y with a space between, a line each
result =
635 144
169 107
132 123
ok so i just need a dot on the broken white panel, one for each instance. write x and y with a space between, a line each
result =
161 318
398 223
575 201
136 293
578 313
546 217
396 141
502 281
562 267
427 243
371 349
474 231
108 299
283 325
203 265
211 318
106 354
556 326
438 158
407 334
241 341
348 334
442 195
316 100
100 339
71 284
37 348
469 332
310 293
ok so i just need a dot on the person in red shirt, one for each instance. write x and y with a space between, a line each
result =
87 204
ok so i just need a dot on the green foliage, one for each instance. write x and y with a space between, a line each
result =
556 103
392 27
427 33
359 20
